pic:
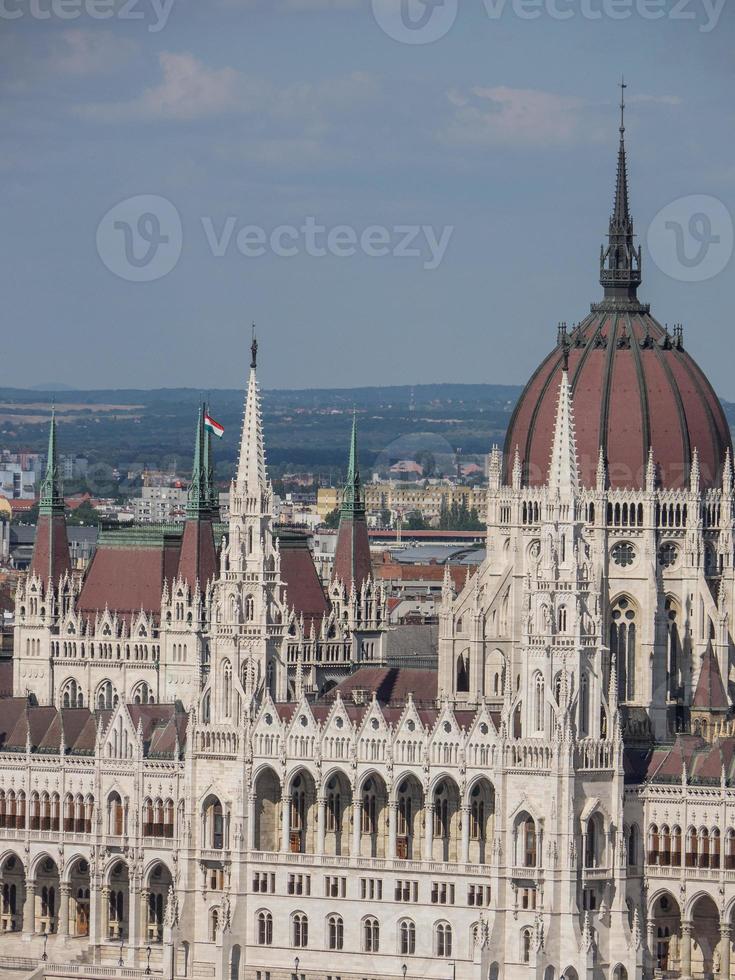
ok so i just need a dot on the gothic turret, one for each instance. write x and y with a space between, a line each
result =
51 550
620 262
352 565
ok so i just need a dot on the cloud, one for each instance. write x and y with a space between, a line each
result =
82 52
187 90
190 90
513 117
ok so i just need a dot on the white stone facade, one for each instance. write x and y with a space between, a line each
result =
489 829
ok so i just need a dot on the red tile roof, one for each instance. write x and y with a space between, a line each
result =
710 693
304 592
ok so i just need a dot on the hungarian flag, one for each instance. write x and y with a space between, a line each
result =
215 427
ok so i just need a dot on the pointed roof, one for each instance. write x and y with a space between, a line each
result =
352 499
710 694
352 562
197 503
620 264
51 499
251 469
563 471
51 548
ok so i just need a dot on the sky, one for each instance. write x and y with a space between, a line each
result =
394 191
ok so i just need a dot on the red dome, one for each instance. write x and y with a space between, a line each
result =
634 387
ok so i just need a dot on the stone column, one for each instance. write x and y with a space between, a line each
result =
392 828
429 832
321 823
356 827
145 894
651 940
465 812
134 915
726 933
29 908
686 950
64 909
251 821
285 823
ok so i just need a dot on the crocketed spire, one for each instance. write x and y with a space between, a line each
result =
352 565
563 471
51 548
251 471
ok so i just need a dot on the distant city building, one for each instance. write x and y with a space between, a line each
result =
401 499
160 505
17 483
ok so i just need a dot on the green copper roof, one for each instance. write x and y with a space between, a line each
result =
52 499
352 502
212 495
197 504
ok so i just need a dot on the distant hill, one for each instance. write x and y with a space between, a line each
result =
305 429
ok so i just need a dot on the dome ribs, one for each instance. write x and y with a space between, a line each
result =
626 451
607 380
643 391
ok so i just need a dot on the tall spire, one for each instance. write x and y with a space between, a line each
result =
620 262
352 495
197 502
352 564
564 471
251 471
51 558
51 499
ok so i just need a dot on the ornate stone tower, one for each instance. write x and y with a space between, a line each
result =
246 616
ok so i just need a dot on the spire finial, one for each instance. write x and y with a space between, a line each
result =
254 351
623 87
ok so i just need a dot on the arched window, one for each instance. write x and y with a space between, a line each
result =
674 650
213 925
526 946
116 815
106 697
299 930
265 928
407 934
539 702
529 843
562 619
441 811
71 695
213 824
676 847
249 609
691 848
142 694
463 672
335 932
653 844
443 940
633 846
370 935
584 705
623 646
